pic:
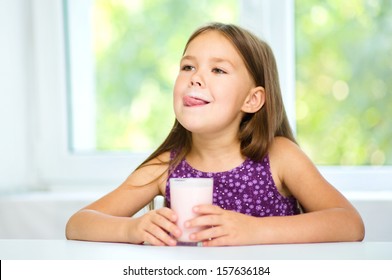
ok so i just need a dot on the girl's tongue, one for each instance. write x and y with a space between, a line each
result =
192 101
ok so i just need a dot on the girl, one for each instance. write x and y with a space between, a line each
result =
230 125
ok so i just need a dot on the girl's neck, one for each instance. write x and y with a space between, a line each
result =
214 154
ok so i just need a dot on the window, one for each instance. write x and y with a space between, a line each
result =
343 70
123 60
70 158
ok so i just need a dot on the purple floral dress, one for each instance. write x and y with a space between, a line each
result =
248 189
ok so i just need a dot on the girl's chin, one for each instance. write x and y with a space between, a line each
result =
196 125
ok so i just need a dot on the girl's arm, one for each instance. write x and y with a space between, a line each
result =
110 218
328 215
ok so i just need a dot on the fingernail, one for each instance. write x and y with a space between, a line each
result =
196 209
187 224
192 236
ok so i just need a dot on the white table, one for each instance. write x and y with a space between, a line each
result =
22 249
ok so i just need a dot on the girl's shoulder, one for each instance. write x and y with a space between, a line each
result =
164 158
289 162
158 163
151 170
283 147
284 154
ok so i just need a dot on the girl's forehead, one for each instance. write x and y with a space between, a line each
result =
211 40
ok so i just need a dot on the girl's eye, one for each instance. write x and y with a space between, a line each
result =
187 68
218 71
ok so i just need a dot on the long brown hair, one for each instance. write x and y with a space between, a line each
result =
257 130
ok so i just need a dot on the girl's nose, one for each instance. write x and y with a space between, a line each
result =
195 83
196 80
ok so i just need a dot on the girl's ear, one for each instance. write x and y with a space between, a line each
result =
254 101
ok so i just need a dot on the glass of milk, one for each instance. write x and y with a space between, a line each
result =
185 193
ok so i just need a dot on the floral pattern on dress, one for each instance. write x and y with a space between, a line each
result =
248 189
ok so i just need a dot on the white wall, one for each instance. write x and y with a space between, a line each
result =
15 83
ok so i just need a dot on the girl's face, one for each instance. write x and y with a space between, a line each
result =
212 85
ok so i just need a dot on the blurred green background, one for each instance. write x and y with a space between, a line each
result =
343 73
138 47
344 81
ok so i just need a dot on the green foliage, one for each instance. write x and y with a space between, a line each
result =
344 70
343 58
138 46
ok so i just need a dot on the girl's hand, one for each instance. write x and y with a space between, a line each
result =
156 226
223 227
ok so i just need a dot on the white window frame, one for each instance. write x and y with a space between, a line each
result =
58 167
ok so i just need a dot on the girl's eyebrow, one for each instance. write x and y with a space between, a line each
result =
188 57
222 60
213 59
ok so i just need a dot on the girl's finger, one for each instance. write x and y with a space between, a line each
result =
152 240
221 241
158 236
167 213
204 209
204 221
168 225
208 234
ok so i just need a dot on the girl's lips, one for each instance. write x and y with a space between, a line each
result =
190 101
